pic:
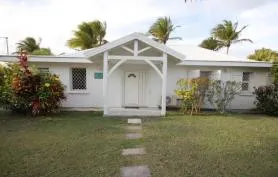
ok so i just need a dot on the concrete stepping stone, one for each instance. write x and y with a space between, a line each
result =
135 171
134 121
134 151
134 128
134 135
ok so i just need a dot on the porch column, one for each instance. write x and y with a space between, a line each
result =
105 80
164 85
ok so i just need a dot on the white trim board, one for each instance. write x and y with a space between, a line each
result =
226 63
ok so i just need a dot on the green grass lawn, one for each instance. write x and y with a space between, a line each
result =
86 144
68 144
236 145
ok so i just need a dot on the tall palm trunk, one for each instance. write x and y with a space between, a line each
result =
228 48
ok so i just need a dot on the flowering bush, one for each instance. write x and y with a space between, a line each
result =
22 90
192 93
267 99
50 93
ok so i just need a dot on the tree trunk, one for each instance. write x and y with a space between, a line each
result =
228 49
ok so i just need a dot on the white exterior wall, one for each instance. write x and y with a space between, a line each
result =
93 96
243 101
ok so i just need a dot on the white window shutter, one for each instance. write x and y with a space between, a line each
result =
236 76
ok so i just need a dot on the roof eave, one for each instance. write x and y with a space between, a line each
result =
47 59
226 63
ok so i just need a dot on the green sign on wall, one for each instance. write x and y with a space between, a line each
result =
98 75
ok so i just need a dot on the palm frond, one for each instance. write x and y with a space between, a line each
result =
227 33
242 40
29 44
88 35
162 29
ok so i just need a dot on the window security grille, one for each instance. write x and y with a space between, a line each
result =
245 86
78 78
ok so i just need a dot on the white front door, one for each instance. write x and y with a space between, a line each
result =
131 89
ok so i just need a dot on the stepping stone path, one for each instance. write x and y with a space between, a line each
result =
134 128
134 151
134 121
135 171
133 136
134 133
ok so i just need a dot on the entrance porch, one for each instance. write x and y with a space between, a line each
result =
134 72
136 84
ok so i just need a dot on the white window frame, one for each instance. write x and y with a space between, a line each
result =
71 79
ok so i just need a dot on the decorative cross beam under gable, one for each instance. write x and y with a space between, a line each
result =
136 51
127 49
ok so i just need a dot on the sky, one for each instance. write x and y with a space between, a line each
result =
54 20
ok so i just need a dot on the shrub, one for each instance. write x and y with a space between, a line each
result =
50 93
267 99
1 74
192 92
274 73
220 94
25 91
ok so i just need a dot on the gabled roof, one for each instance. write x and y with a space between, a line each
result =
131 37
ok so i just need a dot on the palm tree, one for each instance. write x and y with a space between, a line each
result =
88 35
227 34
264 55
42 51
210 43
29 44
162 29
100 30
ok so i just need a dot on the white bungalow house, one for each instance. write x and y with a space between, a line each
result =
137 72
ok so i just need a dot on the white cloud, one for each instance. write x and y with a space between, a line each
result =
54 20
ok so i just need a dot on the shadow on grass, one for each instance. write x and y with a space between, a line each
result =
239 115
9 115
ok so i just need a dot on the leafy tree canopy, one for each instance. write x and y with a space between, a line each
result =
210 43
162 29
264 54
227 33
29 44
32 46
42 51
88 35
